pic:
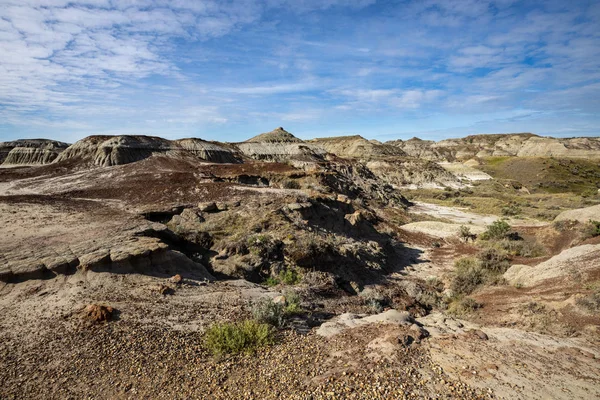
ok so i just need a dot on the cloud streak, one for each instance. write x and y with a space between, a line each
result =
213 67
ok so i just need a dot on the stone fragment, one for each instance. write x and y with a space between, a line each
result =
98 313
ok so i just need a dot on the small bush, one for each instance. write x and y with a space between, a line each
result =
498 230
591 229
591 302
292 303
468 276
290 184
232 338
270 281
265 311
494 260
511 210
523 248
289 276
463 305
374 300
465 234
564 225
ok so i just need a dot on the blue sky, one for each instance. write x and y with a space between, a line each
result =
227 70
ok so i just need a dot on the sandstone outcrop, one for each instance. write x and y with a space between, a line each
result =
30 151
357 147
500 145
580 214
280 146
116 150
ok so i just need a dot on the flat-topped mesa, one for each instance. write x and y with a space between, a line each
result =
357 147
280 146
500 145
116 150
278 135
30 151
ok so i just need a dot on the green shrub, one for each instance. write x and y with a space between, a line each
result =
591 229
232 338
523 248
271 281
467 277
290 276
292 303
493 260
498 230
265 311
511 210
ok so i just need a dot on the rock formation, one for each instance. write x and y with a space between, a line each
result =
117 150
357 147
30 151
500 145
280 146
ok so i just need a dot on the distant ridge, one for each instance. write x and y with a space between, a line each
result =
278 135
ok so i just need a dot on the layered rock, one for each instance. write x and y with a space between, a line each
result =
389 163
116 150
280 146
357 147
30 151
278 135
500 145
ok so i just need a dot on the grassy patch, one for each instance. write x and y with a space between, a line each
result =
546 174
241 337
463 305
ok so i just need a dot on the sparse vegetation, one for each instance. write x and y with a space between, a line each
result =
493 260
292 303
463 305
522 248
591 229
465 234
591 301
374 300
264 310
511 210
468 276
241 337
291 184
496 231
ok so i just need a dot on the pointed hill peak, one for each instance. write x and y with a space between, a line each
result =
278 135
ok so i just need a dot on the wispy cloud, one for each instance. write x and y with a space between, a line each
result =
76 67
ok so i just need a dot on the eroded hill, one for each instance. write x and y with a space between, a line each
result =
127 261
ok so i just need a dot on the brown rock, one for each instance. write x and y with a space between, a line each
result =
98 313
208 207
479 333
165 290
176 279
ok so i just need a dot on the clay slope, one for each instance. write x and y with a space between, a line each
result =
117 150
500 145
30 151
357 147
389 163
280 146
278 135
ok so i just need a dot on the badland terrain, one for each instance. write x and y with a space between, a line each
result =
278 268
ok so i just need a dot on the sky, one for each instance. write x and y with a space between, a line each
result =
228 70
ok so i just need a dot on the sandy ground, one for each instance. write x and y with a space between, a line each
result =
460 216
